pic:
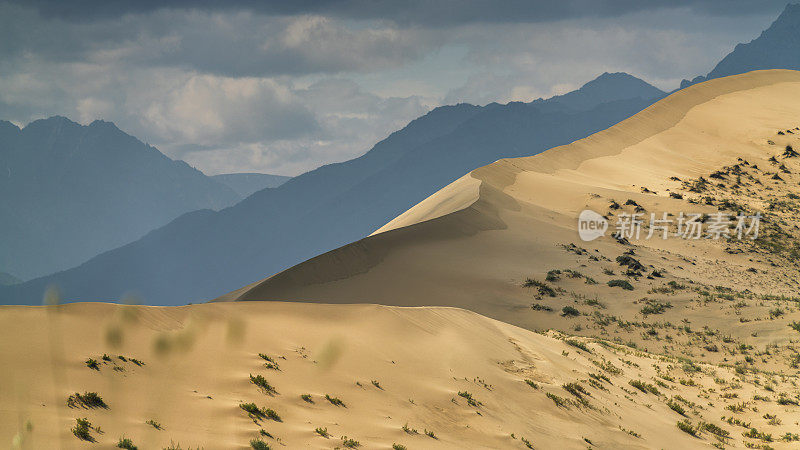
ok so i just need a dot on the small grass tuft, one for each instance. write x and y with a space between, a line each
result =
263 384
126 443
82 429
470 400
350 443
86 400
624 284
644 387
270 362
578 344
542 288
569 311
687 427
335 401
258 444
92 364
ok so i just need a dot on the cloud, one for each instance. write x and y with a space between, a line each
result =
524 63
419 12
212 42
348 122
284 87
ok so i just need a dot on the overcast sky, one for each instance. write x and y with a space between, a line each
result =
284 87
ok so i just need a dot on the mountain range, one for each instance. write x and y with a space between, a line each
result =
497 326
205 253
776 48
245 184
69 192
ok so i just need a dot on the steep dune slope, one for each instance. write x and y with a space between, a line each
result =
399 372
204 254
503 221
503 242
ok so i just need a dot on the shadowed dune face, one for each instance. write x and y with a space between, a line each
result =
472 245
485 242
180 374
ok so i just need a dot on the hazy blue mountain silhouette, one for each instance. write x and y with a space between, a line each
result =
245 184
204 254
69 192
7 279
778 47
608 87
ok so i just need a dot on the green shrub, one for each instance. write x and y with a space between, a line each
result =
687 427
126 443
675 406
541 287
154 424
334 401
258 444
644 387
272 415
398 447
307 398
470 400
715 430
259 413
322 431
561 402
532 384
350 443
82 429
252 410
270 362
578 344
538 307
655 307
624 284
92 364
263 384
569 311
86 400
576 389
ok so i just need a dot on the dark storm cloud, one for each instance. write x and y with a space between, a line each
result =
210 42
286 86
426 12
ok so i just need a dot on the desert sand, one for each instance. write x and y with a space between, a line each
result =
391 367
487 285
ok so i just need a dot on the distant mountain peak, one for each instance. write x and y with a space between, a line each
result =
778 47
608 87
51 122
8 126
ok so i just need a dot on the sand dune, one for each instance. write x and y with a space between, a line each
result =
502 241
503 221
474 243
391 367
654 344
